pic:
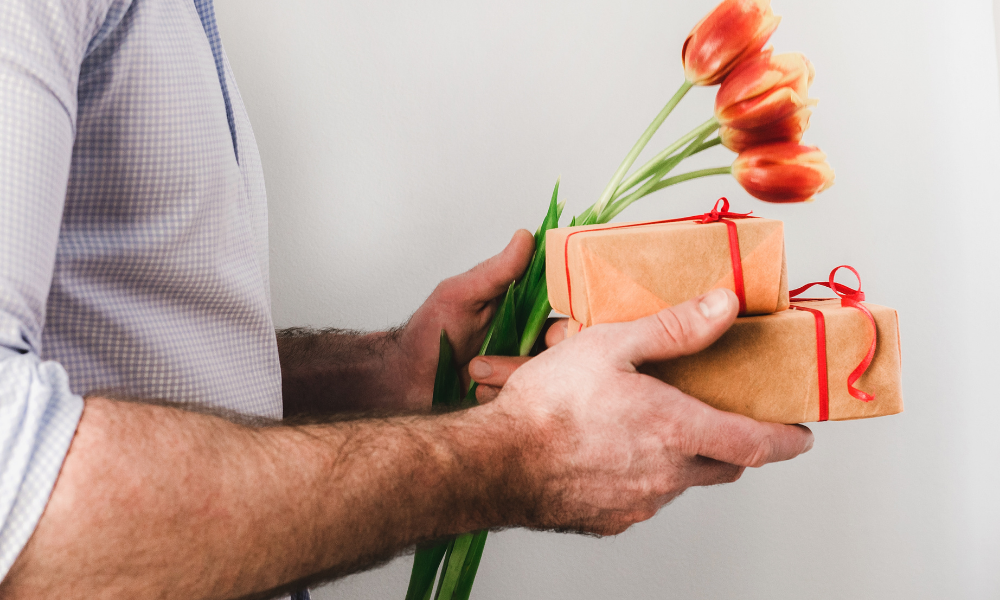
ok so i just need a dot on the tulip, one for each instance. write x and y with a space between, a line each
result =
783 172
764 89
733 31
789 129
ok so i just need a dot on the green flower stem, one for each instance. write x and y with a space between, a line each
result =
639 145
706 145
692 175
649 186
617 207
653 164
670 162
669 182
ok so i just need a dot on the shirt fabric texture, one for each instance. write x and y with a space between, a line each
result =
133 230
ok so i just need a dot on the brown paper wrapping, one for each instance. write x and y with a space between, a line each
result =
765 367
623 272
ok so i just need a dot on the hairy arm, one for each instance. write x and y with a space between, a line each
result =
155 502
333 371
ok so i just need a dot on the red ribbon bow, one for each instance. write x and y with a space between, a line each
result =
849 298
714 216
717 215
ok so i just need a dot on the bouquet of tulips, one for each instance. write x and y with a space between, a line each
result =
762 109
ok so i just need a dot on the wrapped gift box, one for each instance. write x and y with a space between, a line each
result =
610 273
767 367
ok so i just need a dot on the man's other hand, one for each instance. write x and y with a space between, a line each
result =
605 446
463 306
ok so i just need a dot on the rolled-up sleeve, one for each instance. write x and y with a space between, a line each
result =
42 45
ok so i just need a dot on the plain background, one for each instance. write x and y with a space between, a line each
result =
405 142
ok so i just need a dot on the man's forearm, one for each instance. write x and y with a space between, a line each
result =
161 503
335 371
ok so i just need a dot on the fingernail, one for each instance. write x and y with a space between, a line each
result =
480 369
714 304
810 445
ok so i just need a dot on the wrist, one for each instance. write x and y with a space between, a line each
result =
396 366
496 448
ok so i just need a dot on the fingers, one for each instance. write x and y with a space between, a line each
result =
556 332
708 471
677 331
490 278
740 440
485 393
494 370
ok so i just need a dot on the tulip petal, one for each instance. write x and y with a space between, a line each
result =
789 129
783 172
734 30
764 89
764 109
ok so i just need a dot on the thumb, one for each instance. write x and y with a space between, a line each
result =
676 331
490 278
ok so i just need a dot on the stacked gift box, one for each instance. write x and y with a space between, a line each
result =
788 358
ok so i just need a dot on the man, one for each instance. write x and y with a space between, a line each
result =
141 382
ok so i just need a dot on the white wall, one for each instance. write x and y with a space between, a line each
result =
404 142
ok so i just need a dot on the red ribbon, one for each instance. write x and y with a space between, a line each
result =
849 298
714 216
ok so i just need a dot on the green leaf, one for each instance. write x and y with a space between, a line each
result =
425 566
447 385
536 319
464 587
526 288
452 569
501 338
447 558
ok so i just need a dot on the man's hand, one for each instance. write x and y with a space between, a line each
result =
463 306
334 371
606 446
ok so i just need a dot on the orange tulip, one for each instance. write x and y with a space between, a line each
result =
783 172
764 89
789 129
734 30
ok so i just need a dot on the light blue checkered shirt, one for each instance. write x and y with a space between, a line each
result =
133 230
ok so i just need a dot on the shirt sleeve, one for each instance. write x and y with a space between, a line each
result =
42 46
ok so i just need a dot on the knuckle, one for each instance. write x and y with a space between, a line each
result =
760 454
674 330
643 514
666 487
618 526
674 435
447 289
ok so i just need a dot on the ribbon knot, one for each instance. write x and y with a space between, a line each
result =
849 298
717 215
